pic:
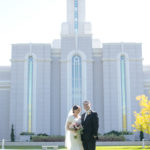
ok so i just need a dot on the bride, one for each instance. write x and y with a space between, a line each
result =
73 124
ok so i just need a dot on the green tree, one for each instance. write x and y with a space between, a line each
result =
12 134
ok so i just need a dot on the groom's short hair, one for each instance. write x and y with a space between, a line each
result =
86 102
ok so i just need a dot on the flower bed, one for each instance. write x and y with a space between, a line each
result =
111 138
47 139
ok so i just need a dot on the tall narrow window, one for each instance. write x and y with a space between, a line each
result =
123 91
76 80
30 92
76 15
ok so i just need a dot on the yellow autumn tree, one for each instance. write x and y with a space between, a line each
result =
142 119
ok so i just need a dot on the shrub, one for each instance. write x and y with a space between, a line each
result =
26 133
42 134
141 135
126 133
117 133
113 133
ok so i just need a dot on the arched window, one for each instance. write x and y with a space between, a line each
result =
30 92
76 80
123 91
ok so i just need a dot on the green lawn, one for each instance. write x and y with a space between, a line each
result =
122 148
97 148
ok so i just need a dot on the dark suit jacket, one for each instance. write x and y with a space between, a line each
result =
90 126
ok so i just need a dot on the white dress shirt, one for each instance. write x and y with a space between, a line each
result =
86 113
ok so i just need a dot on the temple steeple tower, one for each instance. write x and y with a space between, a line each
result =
76 18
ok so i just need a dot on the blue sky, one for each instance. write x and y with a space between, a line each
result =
39 21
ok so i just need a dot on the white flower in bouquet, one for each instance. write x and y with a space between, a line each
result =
78 129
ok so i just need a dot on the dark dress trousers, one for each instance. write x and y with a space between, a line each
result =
90 129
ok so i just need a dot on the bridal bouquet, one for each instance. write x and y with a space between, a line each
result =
78 129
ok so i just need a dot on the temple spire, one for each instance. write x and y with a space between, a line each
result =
76 18
72 6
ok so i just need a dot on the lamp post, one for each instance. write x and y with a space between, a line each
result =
3 142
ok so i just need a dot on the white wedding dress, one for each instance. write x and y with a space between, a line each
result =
71 142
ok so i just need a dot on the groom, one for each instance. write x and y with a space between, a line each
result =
90 123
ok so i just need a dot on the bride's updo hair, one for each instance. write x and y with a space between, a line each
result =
75 107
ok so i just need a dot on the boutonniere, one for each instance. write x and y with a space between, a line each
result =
89 112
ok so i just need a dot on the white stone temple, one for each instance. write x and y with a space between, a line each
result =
45 80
